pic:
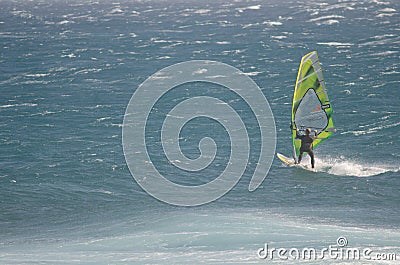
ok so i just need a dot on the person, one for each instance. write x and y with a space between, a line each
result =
306 145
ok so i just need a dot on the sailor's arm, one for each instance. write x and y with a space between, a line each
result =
297 130
297 133
315 135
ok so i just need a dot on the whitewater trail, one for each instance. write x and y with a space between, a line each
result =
347 167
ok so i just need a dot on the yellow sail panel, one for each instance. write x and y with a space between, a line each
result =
311 107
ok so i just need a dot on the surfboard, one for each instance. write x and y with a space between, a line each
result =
311 107
290 162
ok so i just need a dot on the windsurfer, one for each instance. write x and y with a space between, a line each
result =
306 145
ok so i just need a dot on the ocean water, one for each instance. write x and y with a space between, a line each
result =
69 69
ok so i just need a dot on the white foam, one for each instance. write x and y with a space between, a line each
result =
18 105
347 91
385 53
71 55
201 237
373 129
255 73
116 10
345 167
256 7
65 22
325 18
86 71
202 11
380 2
329 22
36 75
334 43
103 119
223 42
272 23
380 40
22 14
200 71
278 37
386 15
387 10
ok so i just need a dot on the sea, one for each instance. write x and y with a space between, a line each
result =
69 69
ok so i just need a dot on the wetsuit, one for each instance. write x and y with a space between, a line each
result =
306 146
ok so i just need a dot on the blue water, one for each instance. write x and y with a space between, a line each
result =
69 69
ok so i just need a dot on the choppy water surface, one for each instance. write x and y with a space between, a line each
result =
68 70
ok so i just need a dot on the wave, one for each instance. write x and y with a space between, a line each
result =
329 22
242 9
201 236
272 23
325 18
345 167
333 43
372 130
18 105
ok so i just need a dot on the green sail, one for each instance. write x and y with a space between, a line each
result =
311 107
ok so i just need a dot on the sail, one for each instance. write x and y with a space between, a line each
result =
311 107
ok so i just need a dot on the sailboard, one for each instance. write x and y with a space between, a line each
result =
311 107
291 163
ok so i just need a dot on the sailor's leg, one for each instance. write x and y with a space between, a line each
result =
300 156
311 154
